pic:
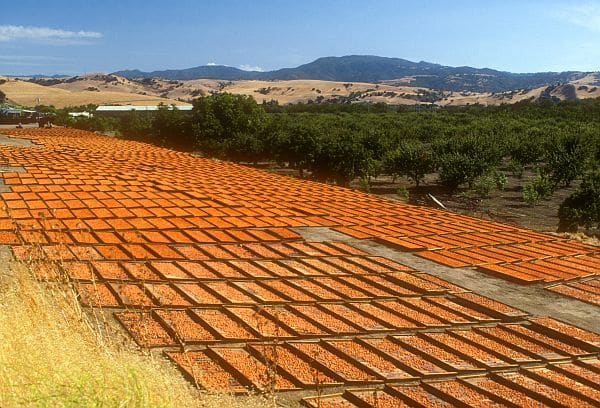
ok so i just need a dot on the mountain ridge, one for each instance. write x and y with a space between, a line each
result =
374 69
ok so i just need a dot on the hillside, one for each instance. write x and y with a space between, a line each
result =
367 68
78 92
109 88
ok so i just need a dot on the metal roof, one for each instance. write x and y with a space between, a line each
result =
126 108
10 110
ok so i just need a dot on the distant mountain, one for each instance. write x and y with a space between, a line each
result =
40 76
203 72
368 68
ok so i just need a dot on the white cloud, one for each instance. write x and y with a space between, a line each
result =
245 67
212 64
44 34
586 15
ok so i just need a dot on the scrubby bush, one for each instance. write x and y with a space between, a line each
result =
537 190
484 184
582 208
500 180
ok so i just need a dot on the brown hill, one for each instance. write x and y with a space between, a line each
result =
113 89
75 93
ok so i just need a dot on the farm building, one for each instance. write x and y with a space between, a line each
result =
116 110
10 115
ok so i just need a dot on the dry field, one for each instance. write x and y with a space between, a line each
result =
248 280
117 90
30 94
304 90
52 355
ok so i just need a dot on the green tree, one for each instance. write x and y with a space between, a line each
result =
412 159
170 127
296 144
582 208
136 125
340 158
528 149
219 118
566 158
464 159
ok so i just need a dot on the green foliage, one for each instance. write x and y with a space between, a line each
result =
582 208
566 157
169 127
459 168
403 193
2 97
500 180
96 123
484 184
537 190
464 159
412 159
244 147
488 182
516 168
340 158
218 120
364 184
294 143
529 148
133 125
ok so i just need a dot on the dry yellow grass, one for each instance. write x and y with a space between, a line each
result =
27 94
579 236
121 90
52 356
303 90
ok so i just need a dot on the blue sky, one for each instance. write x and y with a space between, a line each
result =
75 37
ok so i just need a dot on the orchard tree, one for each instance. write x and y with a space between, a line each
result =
136 125
566 157
582 208
412 159
297 145
170 127
340 158
219 118
464 159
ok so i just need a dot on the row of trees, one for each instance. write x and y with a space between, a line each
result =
466 147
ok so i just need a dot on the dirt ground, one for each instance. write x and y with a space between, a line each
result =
504 206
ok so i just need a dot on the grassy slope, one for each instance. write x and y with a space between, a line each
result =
27 94
51 356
